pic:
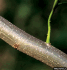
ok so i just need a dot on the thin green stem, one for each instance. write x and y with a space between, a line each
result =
62 3
49 18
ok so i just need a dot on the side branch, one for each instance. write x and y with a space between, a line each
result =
30 45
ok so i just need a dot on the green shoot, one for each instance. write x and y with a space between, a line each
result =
62 3
49 18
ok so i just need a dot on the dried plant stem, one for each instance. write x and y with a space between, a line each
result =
30 45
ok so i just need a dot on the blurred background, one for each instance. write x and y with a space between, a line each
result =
31 16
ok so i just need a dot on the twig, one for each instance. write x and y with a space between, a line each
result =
49 20
30 45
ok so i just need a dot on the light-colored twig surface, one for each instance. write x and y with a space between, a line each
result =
30 45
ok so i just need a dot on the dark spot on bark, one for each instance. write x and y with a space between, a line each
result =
16 46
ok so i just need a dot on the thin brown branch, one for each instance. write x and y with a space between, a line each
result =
30 45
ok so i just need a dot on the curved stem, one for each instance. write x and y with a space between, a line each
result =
30 45
49 18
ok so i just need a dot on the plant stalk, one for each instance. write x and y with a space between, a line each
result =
31 46
49 27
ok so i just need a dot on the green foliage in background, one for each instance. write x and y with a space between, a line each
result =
32 17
